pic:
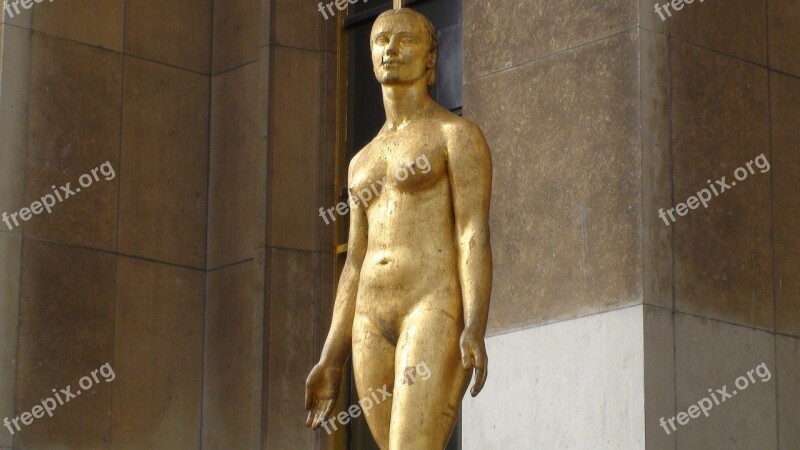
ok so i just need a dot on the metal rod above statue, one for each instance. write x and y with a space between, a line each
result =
398 4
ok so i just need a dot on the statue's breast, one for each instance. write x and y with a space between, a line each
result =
416 169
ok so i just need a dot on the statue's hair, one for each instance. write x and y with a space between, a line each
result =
429 29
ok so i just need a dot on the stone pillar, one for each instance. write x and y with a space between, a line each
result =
604 317
14 69
298 60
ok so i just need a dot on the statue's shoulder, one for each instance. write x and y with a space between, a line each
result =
460 131
453 123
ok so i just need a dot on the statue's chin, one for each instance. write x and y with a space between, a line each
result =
393 79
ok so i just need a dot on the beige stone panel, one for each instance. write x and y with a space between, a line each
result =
236 157
505 33
10 255
293 295
786 200
73 127
93 22
566 206
66 331
736 28
165 162
784 35
723 255
294 148
659 376
233 357
710 355
656 164
14 77
236 33
158 356
300 24
175 32
788 379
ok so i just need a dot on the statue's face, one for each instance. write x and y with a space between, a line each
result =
400 49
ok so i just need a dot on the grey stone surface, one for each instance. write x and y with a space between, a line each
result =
566 207
656 164
10 255
709 355
291 350
236 159
14 79
163 192
786 200
563 386
73 127
177 33
232 375
158 349
735 28
506 33
788 379
236 33
659 376
784 35
295 148
66 330
93 22
723 254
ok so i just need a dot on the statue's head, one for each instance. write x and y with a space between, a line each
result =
404 47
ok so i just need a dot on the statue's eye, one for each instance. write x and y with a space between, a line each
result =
409 41
381 40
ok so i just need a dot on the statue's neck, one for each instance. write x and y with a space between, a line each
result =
404 103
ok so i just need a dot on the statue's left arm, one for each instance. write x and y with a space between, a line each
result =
470 173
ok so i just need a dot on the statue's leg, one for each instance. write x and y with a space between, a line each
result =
429 382
373 367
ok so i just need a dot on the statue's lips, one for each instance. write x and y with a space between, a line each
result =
391 64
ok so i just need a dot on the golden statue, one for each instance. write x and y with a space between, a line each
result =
414 291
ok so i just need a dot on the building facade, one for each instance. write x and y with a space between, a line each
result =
204 275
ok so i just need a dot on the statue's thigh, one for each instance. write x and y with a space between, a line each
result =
373 367
429 382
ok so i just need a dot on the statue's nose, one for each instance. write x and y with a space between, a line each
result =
391 49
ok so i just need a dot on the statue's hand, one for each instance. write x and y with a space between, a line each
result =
473 356
322 391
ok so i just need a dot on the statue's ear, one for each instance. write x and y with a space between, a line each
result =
432 69
432 60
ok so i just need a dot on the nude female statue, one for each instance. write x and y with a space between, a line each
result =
416 284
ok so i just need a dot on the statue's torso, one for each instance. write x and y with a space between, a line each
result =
411 259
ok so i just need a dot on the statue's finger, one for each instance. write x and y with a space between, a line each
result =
308 399
329 406
480 380
310 419
317 418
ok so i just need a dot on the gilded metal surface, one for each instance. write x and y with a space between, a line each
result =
415 289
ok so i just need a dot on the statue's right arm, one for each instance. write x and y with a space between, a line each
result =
338 344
